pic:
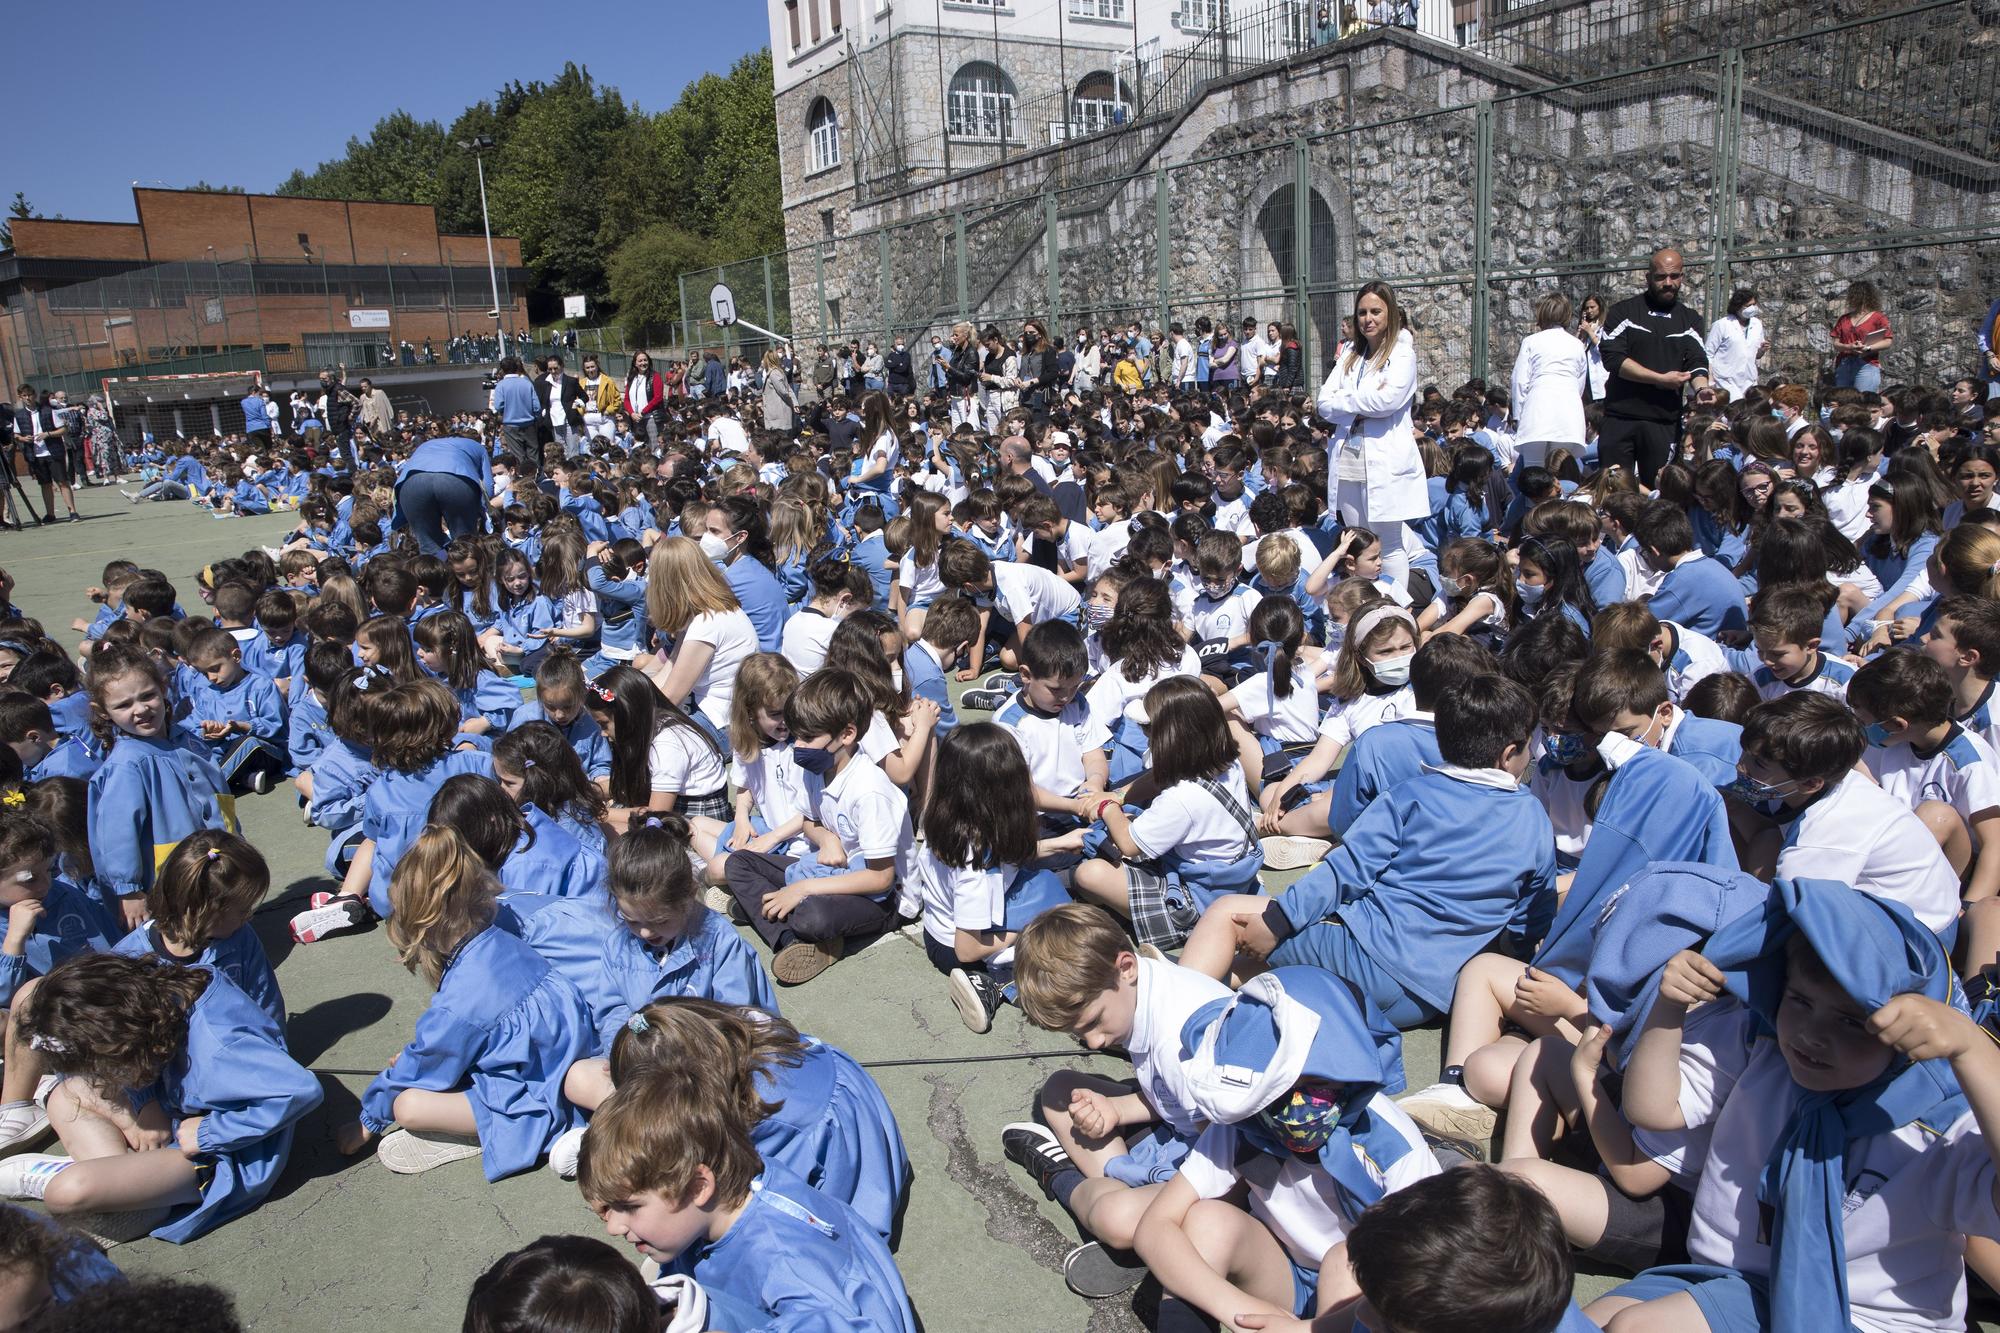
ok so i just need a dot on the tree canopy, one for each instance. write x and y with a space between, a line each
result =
599 191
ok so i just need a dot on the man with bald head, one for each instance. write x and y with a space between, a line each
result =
1654 352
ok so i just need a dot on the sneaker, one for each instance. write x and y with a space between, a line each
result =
1453 1153
26 1175
1098 1272
987 701
718 898
111 1229
801 962
1286 852
1449 1111
133 496
260 782
977 996
322 898
22 1125
409 1153
1001 680
566 1152
337 916
1035 1149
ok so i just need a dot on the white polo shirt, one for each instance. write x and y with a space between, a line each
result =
1291 720
1169 994
681 760
1031 593
1861 835
776 783
1053 746
867 812
1187 820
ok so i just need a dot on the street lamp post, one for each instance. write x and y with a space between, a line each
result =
476 146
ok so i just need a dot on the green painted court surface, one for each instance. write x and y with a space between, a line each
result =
344 1245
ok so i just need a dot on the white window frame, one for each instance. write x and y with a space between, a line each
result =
984 112
1089 115
1104 11
824 138
1199 15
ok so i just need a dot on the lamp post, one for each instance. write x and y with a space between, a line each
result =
476 146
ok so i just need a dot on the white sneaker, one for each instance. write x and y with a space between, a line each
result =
21 1125
1448 1110
111 1229
566 1152
718 898
27 1175
409 1153
1287 852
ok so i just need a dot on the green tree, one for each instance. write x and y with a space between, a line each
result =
645 271
203 187
19 209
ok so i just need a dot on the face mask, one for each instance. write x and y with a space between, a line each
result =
1760 794
1529 593
817 762
715 548
1336 635
1393 672
982 600
1878 735
1826 413
1617 749
1750 312
1097 617
1303 1119
1217 591
1563 747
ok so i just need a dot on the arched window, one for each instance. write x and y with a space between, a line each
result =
981 104
1100 102
823 133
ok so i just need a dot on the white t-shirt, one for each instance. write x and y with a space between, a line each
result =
1704 658
1963 773
1187 820
886 447
684 762
867 812
1732 353
1861 835
919 585
1107 546
1296 1200
1913 1194
1030 593
1109 695
734 638
776 783
880 740
1169 994
1291 720
1347 718
1053 746
954 899
805 638
728 436
1682 1151
1562 797
1223 618
570 611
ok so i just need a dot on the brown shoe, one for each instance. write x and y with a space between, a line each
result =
801 962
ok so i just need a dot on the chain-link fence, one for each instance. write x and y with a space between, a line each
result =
1793 164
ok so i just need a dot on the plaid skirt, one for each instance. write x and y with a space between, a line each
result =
1164 911
712 805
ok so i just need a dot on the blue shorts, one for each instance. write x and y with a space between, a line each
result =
1730 1301
1331 945
1151 1158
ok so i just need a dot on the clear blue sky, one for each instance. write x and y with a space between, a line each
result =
240 94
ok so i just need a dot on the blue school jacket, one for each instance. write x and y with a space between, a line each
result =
927 680
1655 808
546 859
80 756
710 961
71 714
73 922
583 734
568 933
621 610
835 1131
253 699
1605 577
396 807
1380 758
342 775
491 698
1703 595
307 732
240 957
1711 745
279 661
503 1028
1430 873
148 795
871 554
804 1260
236 1075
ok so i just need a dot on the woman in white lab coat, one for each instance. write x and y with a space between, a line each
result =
1374 473
1551 377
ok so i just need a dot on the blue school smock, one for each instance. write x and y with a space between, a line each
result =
342 775
621 613
568 933
1605 577
793 578
396 807
491 698
710 961
520 621
1716 541
71 714
1655 808
236 1075
583 734
73 922
275 661
871 555
1703 595
835 1131
589 516
240 957
467 605
588 833
803 1259
149 794
1379 759
107 615
307 731
1711 745
78 1266
927 680
762 597
503 1028
1433 870
1896 572
253 699
248 498
77 757
546 859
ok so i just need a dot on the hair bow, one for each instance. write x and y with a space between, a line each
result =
608 696
527 761
637 1023
213 854
14 799
49 1044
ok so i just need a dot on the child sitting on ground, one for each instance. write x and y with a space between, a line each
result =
240 715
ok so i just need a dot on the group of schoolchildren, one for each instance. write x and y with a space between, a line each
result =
1677 810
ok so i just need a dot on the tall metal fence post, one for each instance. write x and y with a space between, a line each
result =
888 295
819 270
1052 262
1302 274
958 257
1482 236
687 327
1722 220
1163 242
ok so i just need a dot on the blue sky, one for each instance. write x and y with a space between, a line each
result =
230 92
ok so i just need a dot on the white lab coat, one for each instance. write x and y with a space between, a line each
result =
1551 374
1370 409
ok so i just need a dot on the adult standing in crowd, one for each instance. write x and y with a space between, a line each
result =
1590 332
1375 474
781 402
519 402
40 435
896 369
441 491
714 379
1551 376
1859 338
377 417
105 446
341 408
1734 344
1653 353
561 398
644 395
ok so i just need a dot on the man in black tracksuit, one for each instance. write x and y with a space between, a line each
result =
1654 349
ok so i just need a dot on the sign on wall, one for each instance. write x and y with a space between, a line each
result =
367 319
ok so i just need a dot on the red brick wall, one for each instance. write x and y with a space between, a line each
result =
39 238
180 224
386 233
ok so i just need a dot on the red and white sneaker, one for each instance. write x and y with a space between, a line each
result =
336 916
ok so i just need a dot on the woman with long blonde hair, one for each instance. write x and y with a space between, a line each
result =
688 601
1374 473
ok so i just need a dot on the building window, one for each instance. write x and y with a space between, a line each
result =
1100 102
981 103
792 17
1098 9
823 133
826 223
833 7
1199 15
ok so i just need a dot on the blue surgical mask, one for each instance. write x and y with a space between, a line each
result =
815 761
1529 593
1878 735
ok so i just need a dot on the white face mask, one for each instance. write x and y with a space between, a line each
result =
715 548
1750 312
1393 671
